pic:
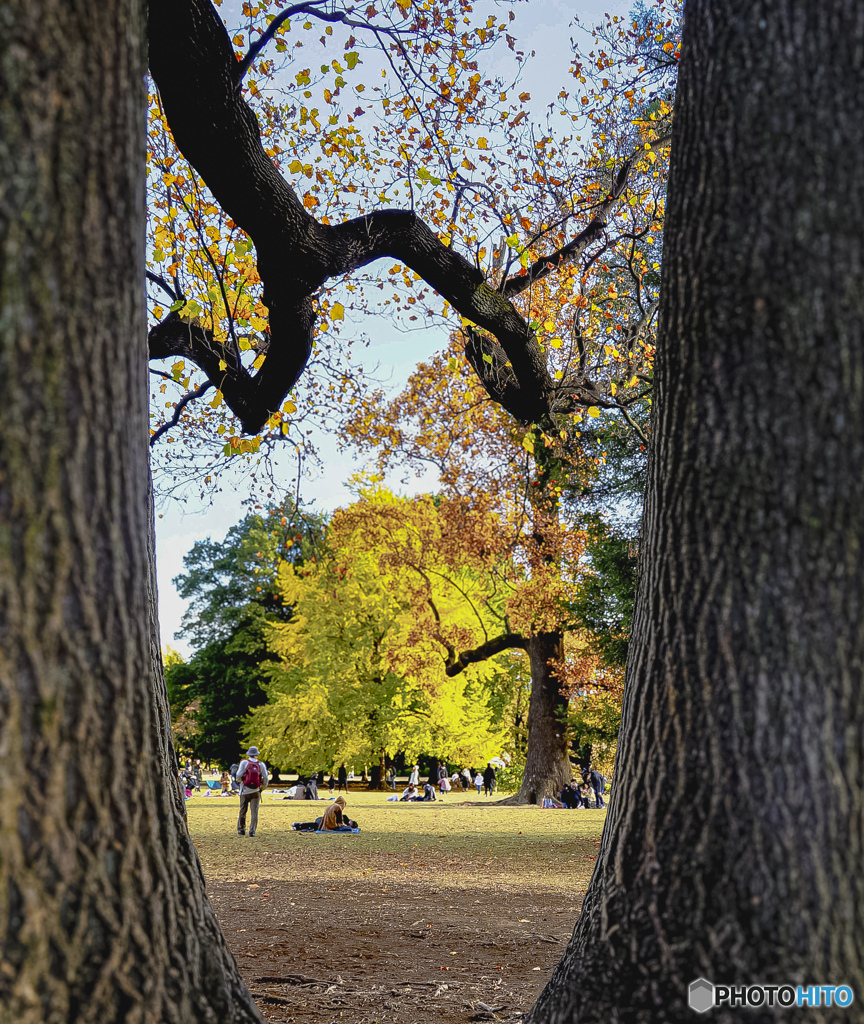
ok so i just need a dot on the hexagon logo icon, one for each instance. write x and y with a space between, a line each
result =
701 995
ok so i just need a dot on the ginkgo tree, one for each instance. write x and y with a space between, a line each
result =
377 622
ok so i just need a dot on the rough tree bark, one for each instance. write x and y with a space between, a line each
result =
547 766
735 840
103 915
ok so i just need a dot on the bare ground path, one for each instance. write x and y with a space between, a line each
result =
431 915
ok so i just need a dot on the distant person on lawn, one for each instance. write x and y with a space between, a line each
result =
342 776
254 780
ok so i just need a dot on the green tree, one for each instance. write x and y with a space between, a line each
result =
365 658
231 586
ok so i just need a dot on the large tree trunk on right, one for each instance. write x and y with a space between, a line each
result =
734 845
103 914
547 766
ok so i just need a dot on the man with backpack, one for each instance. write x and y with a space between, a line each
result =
254 780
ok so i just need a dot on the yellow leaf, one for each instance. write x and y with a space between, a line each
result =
217 401
556 342
593 411
482 143
337 311
259 362
223 365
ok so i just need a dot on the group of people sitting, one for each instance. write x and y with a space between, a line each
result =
587 793
417 793
334 819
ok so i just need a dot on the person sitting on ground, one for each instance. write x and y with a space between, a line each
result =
409 792
334 820
428 791
225 782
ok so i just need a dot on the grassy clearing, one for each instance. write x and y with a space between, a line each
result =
458 841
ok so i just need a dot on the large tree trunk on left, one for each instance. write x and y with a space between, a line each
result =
103 914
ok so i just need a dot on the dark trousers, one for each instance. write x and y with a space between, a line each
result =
598 793
250 800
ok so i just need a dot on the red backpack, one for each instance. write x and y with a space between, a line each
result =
253 776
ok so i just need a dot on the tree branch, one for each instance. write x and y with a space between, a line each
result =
504 642
546 264
178 409
193 65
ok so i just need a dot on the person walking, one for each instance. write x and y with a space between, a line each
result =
598 784
478 782
342 776
252 775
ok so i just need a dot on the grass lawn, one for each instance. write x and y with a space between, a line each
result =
360 927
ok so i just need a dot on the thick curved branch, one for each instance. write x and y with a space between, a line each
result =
576 246
193 65
504 642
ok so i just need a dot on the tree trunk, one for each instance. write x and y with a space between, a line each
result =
103 916
547 767
378 772
735 841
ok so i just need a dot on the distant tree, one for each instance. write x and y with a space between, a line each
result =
363 669
233 593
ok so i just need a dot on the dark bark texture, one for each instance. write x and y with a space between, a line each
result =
103 914
547 766
735 840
